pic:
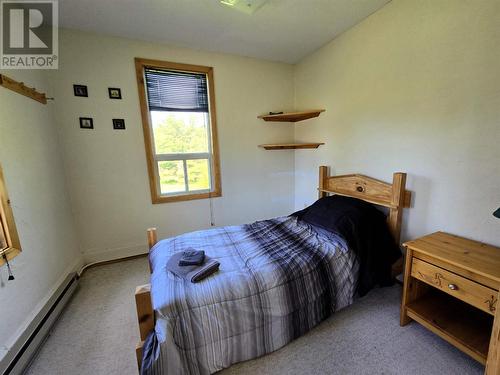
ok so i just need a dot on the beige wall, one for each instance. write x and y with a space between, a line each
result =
415 88
106 169
33 171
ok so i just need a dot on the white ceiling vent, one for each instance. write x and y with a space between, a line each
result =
245 6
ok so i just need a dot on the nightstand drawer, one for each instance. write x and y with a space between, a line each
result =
468 291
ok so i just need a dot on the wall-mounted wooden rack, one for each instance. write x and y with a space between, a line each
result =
290 146
292 116
22 89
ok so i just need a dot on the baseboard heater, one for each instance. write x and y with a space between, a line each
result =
22 352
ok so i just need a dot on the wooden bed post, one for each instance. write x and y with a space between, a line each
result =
143 304
323 174
396 215
398 200
152 237
152 240
145 317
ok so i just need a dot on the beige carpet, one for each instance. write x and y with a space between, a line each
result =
97 334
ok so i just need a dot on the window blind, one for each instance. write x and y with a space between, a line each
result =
176 91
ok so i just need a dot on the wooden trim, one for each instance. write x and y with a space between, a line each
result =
146 127
394 196
156 197
186 197
22 89
8 224
181 67
217 192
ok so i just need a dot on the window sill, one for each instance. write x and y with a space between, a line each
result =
187 197
10 252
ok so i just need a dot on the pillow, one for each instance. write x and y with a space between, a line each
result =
365 230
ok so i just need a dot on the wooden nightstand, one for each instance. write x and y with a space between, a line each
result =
451 286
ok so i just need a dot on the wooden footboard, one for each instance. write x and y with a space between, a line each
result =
144 306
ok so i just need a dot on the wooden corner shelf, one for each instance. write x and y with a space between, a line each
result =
290 146
292 116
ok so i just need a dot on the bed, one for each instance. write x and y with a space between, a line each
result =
278 279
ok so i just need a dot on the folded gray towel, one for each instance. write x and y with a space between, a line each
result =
192 273
192 257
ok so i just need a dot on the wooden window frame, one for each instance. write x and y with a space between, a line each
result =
8 224
156 196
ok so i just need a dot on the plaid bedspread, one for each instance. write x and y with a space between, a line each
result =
278 279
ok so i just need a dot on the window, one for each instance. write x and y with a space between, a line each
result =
180 132
9 240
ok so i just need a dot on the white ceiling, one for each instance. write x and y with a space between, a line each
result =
281 30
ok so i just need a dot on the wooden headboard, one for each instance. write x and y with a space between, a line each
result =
394 196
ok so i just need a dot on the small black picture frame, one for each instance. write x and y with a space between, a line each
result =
86 123
80 90
114 93
118 124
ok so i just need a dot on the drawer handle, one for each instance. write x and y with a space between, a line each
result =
491 303
452 286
